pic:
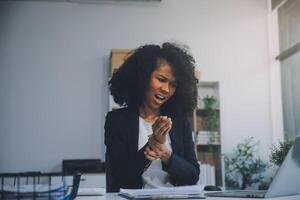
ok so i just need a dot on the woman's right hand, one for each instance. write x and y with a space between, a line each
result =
161 128
156 150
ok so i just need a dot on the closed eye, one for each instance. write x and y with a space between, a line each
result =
161 79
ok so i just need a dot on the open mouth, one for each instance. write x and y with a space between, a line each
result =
160 97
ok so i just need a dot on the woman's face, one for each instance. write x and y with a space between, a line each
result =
161 87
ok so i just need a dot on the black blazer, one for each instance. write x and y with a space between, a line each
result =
125 164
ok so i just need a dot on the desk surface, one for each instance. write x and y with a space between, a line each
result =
114 196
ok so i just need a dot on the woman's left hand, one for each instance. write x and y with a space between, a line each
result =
161 128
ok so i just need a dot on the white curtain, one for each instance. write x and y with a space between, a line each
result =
289 35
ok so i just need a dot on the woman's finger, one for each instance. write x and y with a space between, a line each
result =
159 122
156 146
149 157
166 131
150 154
161 136
156 123
161 126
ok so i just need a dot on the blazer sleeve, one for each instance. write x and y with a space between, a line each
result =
184 170
126 168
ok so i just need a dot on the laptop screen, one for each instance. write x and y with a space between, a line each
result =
286 182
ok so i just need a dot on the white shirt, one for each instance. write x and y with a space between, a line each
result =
154 176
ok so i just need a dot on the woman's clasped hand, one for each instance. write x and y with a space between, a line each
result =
157 148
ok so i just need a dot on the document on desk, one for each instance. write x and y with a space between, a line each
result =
180 192
91 192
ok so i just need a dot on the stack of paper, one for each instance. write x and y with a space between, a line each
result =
164 193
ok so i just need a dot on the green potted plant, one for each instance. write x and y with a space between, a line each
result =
211 123
279 152
243 168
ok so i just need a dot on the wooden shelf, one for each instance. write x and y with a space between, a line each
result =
117 57
203 113
208 153
211 154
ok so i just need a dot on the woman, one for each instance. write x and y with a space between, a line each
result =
150 140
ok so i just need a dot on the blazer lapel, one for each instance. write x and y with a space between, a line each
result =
174 139
132 130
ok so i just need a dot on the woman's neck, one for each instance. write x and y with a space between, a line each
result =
148 114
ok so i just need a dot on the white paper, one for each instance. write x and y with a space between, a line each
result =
160 192
91 191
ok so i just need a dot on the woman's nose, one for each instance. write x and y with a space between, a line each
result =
165 87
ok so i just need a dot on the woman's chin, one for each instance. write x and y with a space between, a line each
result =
156 106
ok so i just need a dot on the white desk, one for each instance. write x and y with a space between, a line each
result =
114 196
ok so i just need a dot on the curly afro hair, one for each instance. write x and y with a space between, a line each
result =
130 82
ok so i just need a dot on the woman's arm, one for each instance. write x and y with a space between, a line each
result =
126 168
184 170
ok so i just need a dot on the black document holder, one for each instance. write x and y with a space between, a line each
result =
83 166
34 178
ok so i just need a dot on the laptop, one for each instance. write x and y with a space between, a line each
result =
286 182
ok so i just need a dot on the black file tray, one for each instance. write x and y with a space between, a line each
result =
13 185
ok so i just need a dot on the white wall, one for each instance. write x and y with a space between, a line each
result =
54 69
